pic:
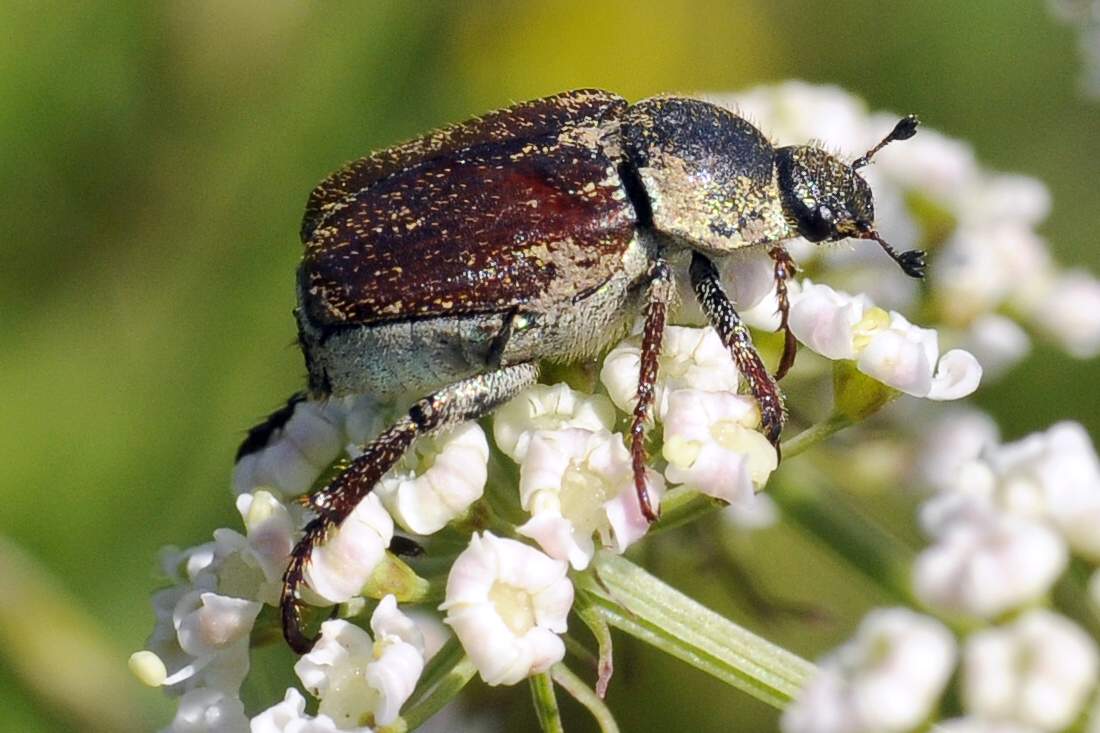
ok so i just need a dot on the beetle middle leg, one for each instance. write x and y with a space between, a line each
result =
735 335
658 296
468 399
784 271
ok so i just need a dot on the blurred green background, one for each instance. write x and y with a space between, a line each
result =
156 158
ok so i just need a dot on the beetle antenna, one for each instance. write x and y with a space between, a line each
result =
912 262
905 129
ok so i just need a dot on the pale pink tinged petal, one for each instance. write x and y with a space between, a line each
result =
898 362
957 375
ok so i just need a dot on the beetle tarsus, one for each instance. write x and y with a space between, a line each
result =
656 312
468 399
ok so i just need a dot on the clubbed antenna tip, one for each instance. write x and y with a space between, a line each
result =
905 129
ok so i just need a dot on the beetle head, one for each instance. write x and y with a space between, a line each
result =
826 199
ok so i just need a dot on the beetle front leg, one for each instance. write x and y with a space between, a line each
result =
784 271
658 296
466 400
735 335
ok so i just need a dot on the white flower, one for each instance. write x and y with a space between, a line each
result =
987 264
437 479
296 454
548 407
1070 313
289 716
1037 671
207 622
691 358
887 678
997 342
200 640
341 565
1052 476
713 445
507 603
884 345
760 513
360 680
207 710
988 564
252 566
956 437
576 483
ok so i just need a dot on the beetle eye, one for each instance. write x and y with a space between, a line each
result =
817 224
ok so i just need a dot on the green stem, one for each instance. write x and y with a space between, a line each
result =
584 694
546 704
443 678
815 434
640 604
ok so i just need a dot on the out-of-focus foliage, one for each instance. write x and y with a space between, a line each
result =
156 158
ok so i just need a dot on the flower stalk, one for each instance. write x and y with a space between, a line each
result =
632 600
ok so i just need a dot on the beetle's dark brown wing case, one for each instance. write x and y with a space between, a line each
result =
502 221
525 121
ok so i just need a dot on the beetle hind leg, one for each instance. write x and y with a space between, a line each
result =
658 296
468 399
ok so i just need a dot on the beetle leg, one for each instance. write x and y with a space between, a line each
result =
466 400
784 270
735 335
657 298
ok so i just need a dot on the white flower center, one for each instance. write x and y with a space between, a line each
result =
582 496
514 606
873 321
349 699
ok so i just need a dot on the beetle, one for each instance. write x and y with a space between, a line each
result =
448 267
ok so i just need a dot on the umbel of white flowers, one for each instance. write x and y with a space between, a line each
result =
507 600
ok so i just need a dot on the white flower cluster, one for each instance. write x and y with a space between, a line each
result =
991 274
1004 525
1004 519
200 650
576 478
1034 674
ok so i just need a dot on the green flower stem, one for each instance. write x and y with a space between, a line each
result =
546 704
815 434
584 694
443 678
862 543
643 606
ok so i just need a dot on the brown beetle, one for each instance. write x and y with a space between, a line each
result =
451 265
